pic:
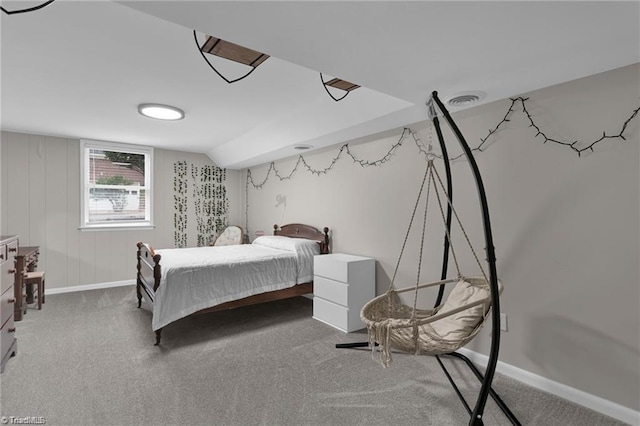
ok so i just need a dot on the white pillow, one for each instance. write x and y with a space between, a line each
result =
458 326
289 244
304 251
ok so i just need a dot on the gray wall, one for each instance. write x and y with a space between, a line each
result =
41 203
566 228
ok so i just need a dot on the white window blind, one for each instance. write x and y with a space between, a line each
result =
116 187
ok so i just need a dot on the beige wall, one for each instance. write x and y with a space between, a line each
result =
41 203
566 229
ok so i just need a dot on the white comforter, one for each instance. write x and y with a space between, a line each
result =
203 277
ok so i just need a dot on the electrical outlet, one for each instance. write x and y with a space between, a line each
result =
503 322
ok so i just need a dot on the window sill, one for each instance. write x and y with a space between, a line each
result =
117 227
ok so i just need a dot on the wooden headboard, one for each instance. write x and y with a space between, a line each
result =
298 230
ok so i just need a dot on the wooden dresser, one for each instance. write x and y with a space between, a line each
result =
8 341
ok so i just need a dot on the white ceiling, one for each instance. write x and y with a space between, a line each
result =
80 68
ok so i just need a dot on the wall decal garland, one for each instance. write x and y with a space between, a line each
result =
344 148
318 172
180 204
572 145
211 202
406 131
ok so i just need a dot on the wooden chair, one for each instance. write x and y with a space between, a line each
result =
36 279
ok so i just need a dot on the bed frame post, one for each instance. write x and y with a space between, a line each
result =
157 273
324 248
138 292
156 283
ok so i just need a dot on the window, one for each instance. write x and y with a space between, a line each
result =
116 185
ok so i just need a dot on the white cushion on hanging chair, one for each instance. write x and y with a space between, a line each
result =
460 325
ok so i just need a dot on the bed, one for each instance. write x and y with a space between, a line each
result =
208 279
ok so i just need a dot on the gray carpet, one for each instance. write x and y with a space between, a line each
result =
88 359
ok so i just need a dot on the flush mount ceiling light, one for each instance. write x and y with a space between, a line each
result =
231 51
161 112
338 84
465 98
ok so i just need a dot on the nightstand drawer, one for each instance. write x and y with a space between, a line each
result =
344 267
330 313
331 290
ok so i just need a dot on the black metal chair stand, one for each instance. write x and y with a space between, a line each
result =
486 390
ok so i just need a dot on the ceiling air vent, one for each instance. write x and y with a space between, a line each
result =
466 98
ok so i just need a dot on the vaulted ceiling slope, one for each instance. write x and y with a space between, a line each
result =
79 69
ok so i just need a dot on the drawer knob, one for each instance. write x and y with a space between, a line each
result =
11 301
11 271
1 256
12 249
11 330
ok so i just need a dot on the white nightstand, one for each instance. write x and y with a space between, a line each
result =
342 284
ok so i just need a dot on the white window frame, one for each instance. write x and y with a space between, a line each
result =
85 147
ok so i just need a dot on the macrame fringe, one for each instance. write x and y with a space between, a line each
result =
394 325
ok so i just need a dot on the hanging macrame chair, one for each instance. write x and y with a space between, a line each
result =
445 328
474 300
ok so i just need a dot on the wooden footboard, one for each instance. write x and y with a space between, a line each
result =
148 276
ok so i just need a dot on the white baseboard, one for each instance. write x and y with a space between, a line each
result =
85 287
601 405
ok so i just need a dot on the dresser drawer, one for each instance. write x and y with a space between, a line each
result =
7 302
3 253
7 271
12 249
344 267
331 290
7 335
